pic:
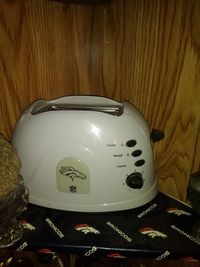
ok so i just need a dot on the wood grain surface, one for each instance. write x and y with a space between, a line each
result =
143 51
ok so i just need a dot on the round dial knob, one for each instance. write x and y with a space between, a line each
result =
135 180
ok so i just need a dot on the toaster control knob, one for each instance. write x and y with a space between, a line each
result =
135 180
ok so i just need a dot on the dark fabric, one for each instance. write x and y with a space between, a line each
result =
163 228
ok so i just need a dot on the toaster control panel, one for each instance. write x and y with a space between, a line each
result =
128 158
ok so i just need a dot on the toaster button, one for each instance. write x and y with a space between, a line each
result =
135 180
131 143
139 162
136 153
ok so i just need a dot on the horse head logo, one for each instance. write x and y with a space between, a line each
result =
71 173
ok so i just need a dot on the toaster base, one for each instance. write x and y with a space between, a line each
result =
105 207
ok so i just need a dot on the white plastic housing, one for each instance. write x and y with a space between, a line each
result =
78 160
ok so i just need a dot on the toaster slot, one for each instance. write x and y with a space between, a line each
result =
115 110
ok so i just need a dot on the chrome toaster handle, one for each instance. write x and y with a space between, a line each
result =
116 110
112 108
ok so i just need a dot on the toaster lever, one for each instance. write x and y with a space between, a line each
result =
157 135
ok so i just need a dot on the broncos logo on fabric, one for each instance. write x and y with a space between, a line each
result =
178 212
151 232
71 172
85 228
27 225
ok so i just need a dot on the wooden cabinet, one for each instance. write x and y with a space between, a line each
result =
84 2
147 52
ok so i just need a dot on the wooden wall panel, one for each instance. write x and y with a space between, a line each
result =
144 51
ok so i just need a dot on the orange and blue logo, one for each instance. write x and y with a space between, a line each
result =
85 228
152 232
178 212
27 225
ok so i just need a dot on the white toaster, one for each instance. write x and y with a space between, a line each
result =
86 154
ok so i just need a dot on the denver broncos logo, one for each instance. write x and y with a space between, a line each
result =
115 255
178 212
71 172
151 232
27 225
188 259
46 251
85 228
